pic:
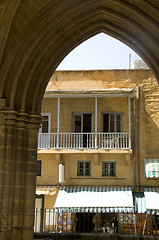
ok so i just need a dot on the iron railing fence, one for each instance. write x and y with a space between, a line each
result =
84 141
89 222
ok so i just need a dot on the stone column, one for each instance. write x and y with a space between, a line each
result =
6 159
30 176
19 169
18 147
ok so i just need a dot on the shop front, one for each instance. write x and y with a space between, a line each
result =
146 205
94 209
85 209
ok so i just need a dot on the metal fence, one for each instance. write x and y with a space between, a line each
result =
122 223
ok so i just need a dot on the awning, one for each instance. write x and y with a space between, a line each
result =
152 199
139 202
149 201
152 168
46 190
94 199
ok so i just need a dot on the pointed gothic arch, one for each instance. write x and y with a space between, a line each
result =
56 28
35 36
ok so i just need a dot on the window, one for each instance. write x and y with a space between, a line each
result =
82 122
112 122
84 168
152 168
45 126
108 168
38 170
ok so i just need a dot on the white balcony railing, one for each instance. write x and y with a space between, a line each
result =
84 141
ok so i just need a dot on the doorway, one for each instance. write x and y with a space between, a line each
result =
84 222
39 213
82 123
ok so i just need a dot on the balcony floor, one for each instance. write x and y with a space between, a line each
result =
101 151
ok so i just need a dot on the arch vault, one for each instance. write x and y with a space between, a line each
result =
35 36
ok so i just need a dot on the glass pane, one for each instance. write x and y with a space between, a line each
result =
38 170
118 117
112 169
78 123
112 123
78 168
118 123
87 168
87 123
81 169
103 169
81 164
45 124
105 122
105 165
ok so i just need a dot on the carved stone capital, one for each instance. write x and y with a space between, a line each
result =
2 104
22 120
10 118
34 122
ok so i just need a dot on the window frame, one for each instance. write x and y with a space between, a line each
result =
150 161
37 169
109 168
84 168
49 122
42 197
114 114
81 114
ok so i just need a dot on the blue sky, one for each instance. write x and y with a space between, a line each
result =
99 52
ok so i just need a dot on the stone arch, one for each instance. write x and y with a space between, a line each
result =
55 29
35 36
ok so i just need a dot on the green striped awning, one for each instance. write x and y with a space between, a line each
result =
148 201
152 199
152 168
94 199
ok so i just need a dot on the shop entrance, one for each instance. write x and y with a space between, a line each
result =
84 222
97 222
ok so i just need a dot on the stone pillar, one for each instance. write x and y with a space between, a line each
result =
30 176
18 147
19 181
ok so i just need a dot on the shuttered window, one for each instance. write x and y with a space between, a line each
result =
109 168
152 168
84 168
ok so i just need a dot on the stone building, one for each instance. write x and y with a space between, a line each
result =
35 36
99 136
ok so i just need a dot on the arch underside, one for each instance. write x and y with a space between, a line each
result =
41 33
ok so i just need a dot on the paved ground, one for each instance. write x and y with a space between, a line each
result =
99 236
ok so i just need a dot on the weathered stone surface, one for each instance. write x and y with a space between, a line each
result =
35 35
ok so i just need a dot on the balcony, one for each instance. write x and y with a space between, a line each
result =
84 141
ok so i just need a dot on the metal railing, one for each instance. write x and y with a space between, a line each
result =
122 223
84 141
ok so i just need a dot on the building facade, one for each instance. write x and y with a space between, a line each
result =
98 150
